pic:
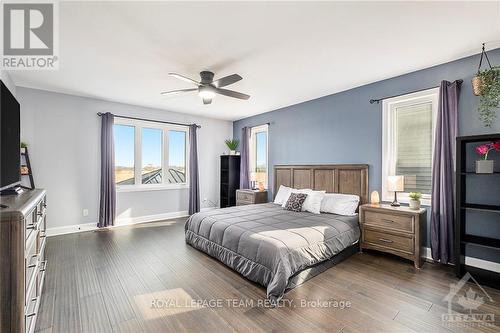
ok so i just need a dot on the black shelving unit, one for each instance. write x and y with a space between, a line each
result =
465 160
28 165
229 179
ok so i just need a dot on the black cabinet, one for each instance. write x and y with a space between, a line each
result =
477 222
229 179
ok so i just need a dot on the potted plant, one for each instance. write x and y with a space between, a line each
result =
24 145
486 84
415 200
484 165
232 144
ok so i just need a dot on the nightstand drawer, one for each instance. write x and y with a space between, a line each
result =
397 222
244 196
390 241
243 202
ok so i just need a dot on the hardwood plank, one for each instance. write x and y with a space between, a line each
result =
93 314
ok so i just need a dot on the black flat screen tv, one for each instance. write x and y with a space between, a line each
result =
10 157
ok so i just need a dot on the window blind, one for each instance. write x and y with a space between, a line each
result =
414 146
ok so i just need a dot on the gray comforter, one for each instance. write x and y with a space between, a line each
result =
268 244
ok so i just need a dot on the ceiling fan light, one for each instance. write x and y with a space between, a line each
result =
206 93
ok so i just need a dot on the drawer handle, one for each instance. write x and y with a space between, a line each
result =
385 240
388 221
33 265
44 263
31 226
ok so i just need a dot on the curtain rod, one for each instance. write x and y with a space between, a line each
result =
411 92
151 120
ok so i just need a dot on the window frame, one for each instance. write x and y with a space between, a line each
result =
253 150
389 137
138 126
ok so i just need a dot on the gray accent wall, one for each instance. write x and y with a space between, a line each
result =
345 128
63 134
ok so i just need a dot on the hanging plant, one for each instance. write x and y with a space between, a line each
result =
489 97
486 85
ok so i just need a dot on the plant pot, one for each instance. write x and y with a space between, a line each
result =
23 150
484 166
232 152
477 84
414 204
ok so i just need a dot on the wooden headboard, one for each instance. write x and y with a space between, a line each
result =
333 178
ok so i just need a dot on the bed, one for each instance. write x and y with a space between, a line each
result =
277 248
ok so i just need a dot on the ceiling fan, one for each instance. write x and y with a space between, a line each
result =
207 87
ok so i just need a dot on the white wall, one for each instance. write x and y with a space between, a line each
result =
6 79
63 135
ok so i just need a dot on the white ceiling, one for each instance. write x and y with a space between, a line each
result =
287 52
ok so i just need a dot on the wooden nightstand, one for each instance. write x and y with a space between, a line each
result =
249 197
395 230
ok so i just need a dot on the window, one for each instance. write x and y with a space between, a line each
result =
258 154
176 157
149 155
124 137
408 141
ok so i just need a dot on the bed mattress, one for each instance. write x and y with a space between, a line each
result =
268 244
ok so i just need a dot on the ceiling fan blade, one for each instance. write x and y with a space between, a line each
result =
175 92
207 101
227 80
184 78
232 93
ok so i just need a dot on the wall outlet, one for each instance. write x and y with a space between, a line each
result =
205 199
85 212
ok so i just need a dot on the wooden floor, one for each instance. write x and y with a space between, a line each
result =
140 279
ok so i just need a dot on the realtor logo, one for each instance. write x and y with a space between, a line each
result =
29 36
470 301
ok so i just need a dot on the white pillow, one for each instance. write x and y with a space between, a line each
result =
313 201
282 195
341 204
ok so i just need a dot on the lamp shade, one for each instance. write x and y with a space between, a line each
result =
374 198
396 183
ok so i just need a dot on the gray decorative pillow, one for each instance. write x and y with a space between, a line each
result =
295 202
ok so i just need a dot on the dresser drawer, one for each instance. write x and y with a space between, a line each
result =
30 261
31 310
30 223
394 242
392 221
244 196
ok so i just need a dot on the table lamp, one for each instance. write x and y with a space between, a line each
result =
395 184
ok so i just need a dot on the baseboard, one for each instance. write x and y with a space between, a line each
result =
70 229
470 261
120 222
149 218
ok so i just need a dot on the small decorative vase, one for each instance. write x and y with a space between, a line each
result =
484 166
414 204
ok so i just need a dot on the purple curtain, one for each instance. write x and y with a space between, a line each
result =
245 158
107 206
194 184
443 175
